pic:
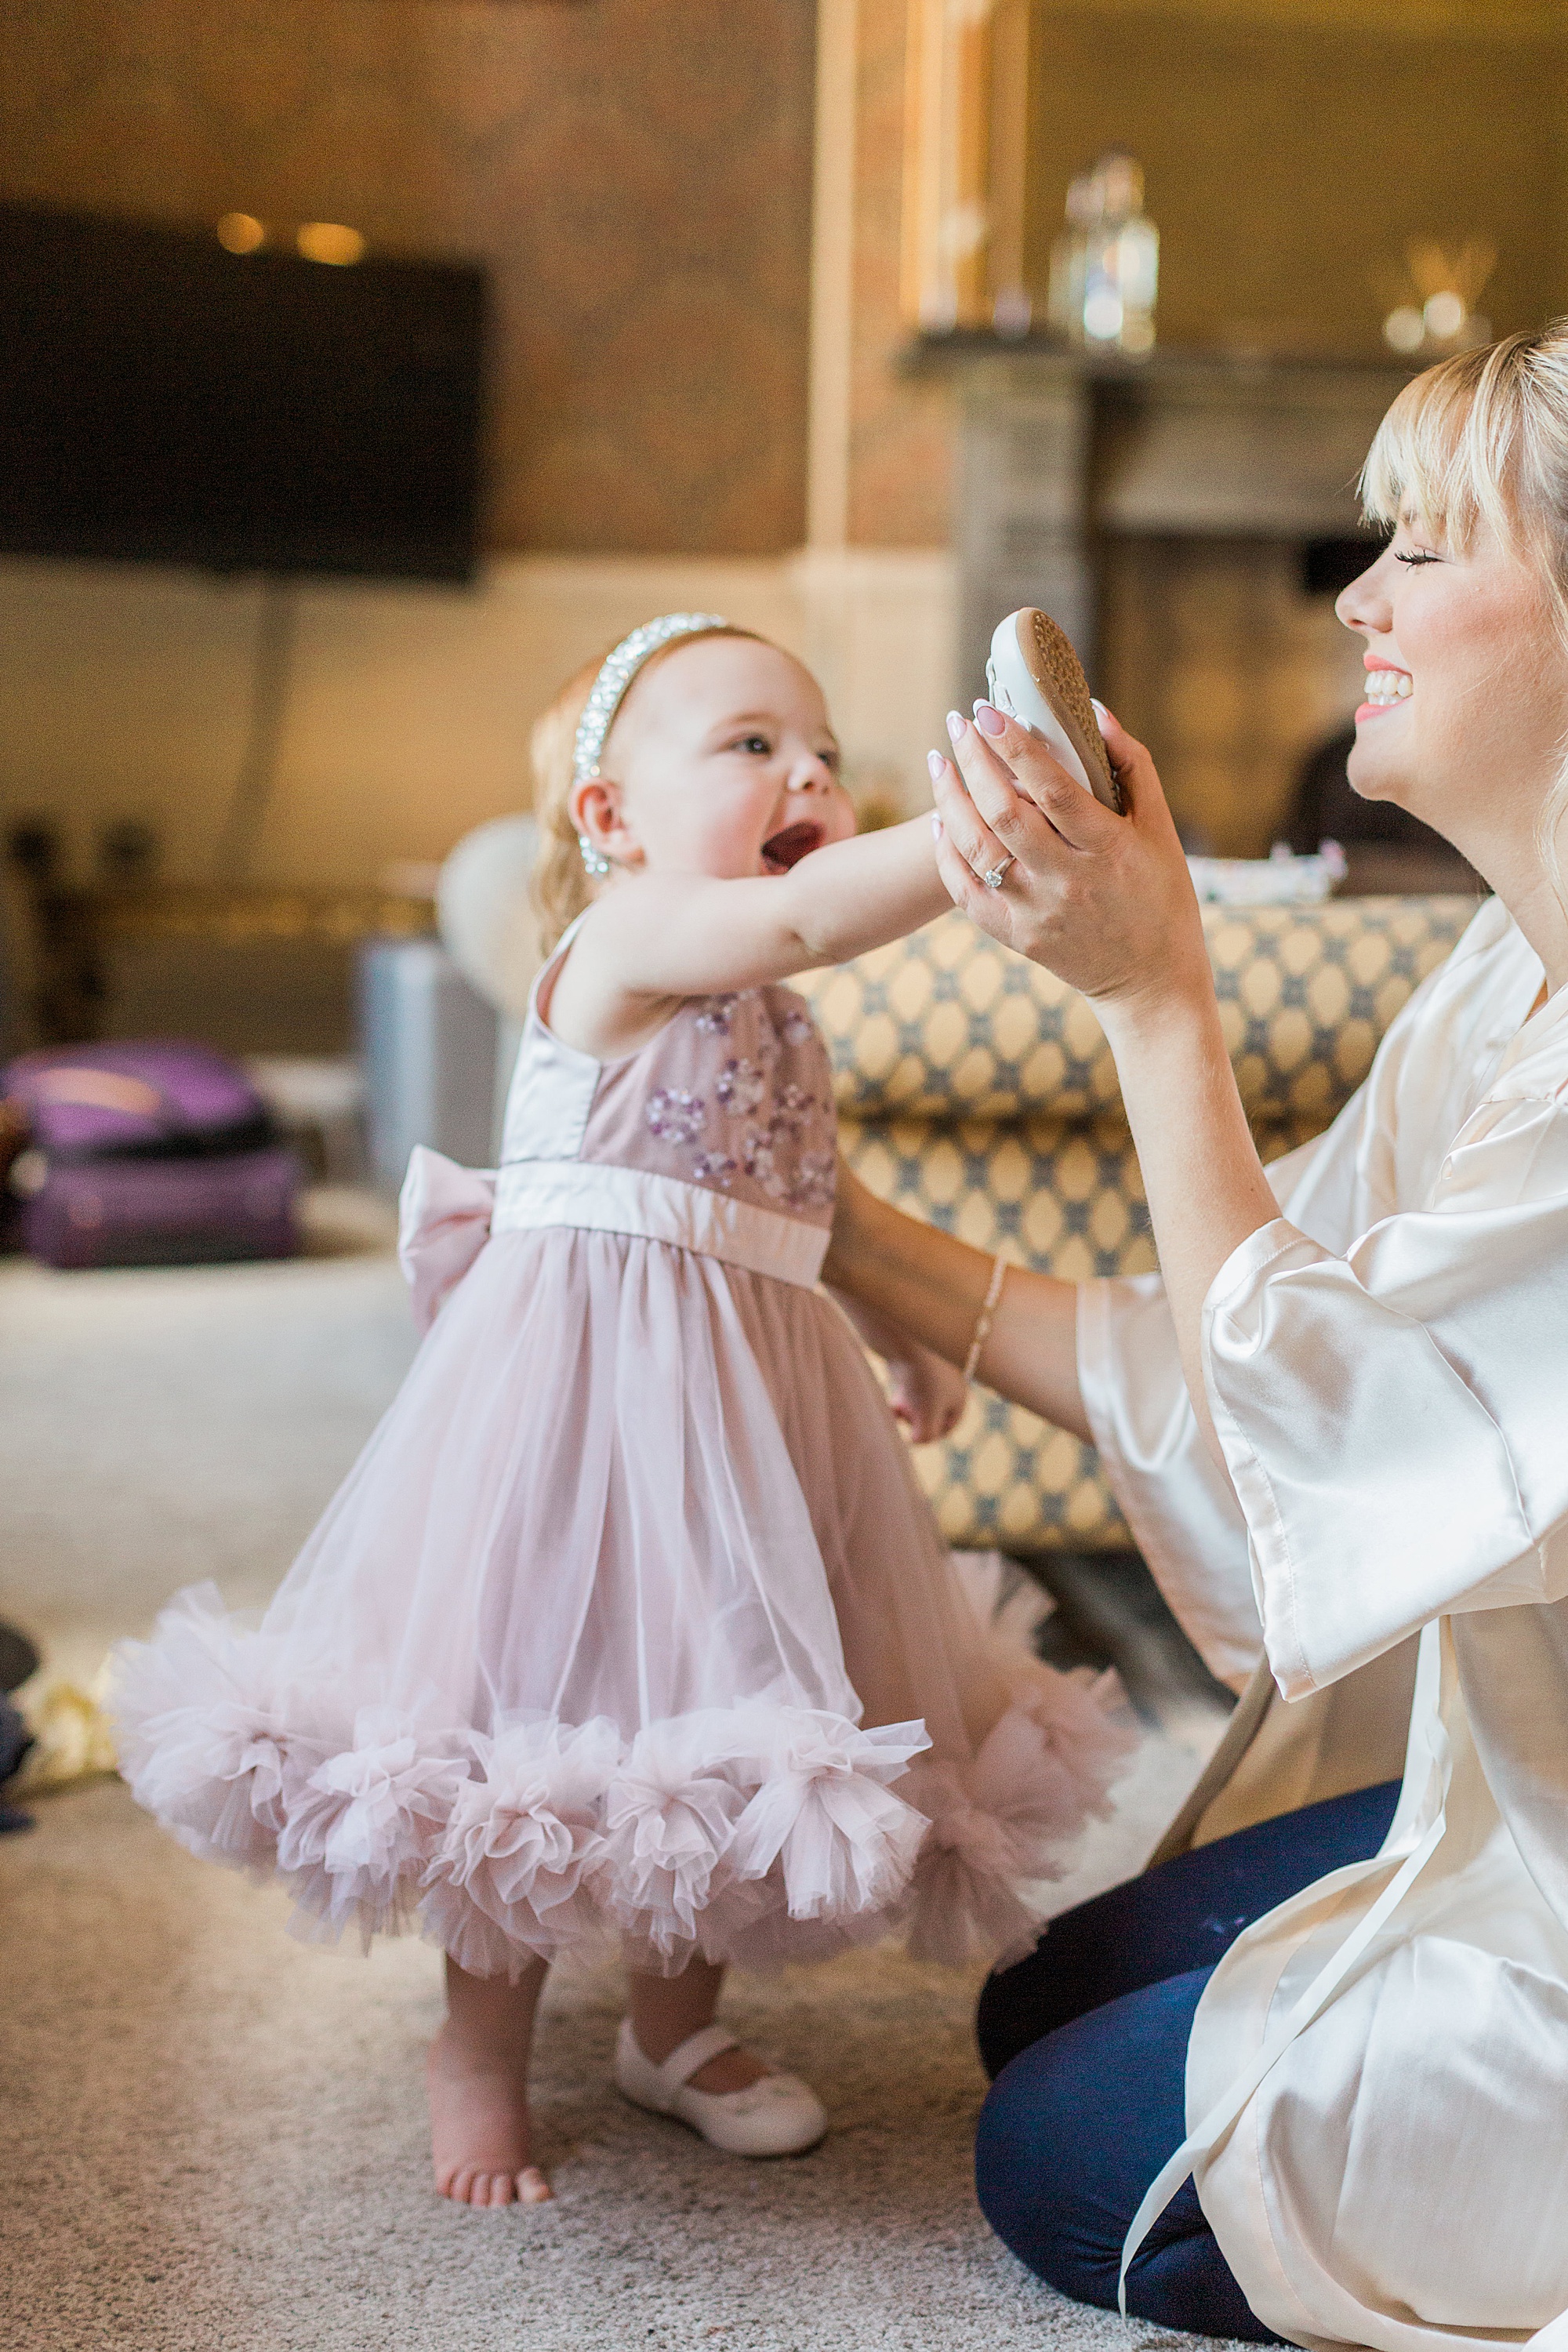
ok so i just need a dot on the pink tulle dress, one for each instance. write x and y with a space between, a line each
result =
631 1618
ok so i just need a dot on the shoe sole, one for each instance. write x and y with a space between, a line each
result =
1056 675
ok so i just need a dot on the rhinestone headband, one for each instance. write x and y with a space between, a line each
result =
609 688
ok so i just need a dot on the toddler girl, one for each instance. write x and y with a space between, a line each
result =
631 1620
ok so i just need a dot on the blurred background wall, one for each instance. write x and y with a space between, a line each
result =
1291 149
637 175
637 178
694 211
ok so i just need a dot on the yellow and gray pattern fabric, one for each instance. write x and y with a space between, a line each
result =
977 1091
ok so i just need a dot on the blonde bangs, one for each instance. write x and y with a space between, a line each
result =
1482 438
1445 453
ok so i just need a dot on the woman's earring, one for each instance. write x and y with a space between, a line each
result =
594 860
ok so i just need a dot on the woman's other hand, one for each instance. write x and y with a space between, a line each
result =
928 1396
904 1283
1104 901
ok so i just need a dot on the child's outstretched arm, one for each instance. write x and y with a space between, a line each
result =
688 935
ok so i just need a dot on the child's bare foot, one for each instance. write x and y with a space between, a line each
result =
478 2082
479 2129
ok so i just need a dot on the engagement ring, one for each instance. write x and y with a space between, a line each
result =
998 874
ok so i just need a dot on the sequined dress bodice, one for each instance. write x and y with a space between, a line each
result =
718 1135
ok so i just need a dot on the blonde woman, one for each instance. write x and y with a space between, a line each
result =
1310 2079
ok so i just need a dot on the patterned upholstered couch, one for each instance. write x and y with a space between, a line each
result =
978 1091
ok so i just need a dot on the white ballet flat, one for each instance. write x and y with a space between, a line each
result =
777 2115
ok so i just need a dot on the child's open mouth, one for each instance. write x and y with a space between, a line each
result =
785 849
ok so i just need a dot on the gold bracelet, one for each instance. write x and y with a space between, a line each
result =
982 1320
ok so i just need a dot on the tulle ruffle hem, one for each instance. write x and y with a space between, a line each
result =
759 1833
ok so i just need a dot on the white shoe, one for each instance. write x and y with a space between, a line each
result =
1035 676
777 2115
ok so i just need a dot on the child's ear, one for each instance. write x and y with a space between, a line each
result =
594 808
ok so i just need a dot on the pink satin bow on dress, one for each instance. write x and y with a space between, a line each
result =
443 1223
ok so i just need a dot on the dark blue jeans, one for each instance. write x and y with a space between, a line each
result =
1087 2042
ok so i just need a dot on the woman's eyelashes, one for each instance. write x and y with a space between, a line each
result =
1413 556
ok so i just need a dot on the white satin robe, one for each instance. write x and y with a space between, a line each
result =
1387 1364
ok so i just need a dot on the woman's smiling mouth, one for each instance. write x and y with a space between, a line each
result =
787 848
1385 686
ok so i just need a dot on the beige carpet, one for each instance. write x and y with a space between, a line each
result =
214 2134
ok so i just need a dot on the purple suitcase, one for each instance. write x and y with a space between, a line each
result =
158 1154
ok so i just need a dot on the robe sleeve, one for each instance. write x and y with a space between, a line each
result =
1182 1511
1395 1415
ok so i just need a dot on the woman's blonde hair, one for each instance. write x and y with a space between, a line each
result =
560 885
1481 442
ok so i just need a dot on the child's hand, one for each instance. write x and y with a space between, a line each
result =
927 1393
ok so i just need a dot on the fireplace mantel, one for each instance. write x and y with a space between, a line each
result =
1058 453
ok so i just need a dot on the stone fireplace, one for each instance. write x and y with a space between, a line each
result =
1186 519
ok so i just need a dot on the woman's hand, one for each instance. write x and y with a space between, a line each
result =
927 1396
927 1393
902 1281
1104 901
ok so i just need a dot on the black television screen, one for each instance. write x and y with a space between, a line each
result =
164 399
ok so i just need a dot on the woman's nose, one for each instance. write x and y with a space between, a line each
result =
1365 605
